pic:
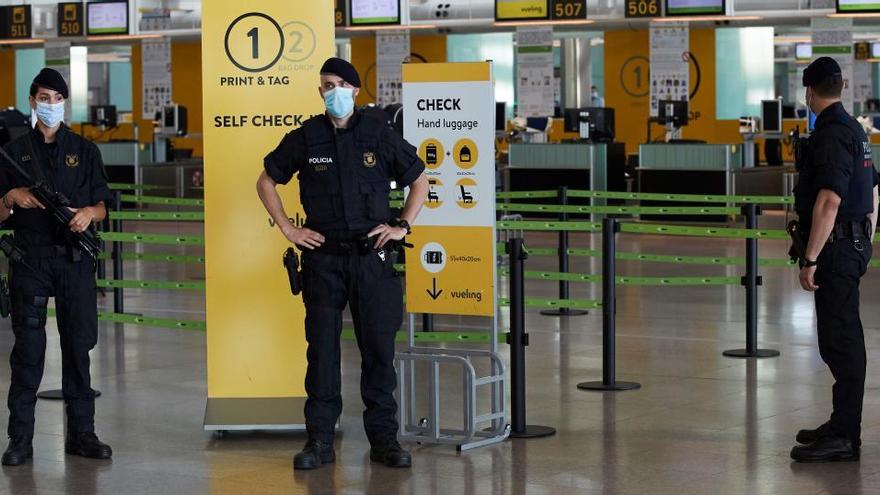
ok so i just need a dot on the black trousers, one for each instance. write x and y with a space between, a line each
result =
841 337
73 286
367 283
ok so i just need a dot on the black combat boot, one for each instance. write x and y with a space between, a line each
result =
87 445
826 449
806 437
391 454
314 454
19 451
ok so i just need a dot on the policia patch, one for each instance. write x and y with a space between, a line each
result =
71 160
369 159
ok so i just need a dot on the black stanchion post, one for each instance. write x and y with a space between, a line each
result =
609 383
427 322
751 282
118 295
564 292
518 340
101 263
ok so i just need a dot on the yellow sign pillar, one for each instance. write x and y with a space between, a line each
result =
260 79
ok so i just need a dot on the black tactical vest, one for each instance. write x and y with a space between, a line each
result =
345 180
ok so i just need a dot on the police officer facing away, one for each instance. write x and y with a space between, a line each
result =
345 160
836 200
53 267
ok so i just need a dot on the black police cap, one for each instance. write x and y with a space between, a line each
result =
51 79
342 69
821 70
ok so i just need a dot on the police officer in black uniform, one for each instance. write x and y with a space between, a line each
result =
53 267
345 160
836 200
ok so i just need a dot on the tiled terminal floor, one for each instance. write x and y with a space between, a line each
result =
701 424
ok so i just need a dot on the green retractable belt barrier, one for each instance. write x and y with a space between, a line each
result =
161 200
146 321
160 216
117 186
684 198
719 232
162 258
549 226
620 210
533 302
179 240
143 284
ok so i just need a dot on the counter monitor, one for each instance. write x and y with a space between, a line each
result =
107 18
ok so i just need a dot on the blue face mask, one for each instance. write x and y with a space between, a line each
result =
339 101
50 114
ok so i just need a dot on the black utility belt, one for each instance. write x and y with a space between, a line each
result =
360 246
55 251
856 229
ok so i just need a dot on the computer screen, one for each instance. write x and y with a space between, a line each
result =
811 120
107 18
857 6
803 51
694 7
174 120
673 111
103 115
500 116
600 122
374 12
771 115
875 50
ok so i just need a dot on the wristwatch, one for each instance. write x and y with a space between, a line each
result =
401 223
807 263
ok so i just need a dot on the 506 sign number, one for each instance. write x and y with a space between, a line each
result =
642 8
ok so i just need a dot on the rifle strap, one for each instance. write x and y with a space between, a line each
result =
36 160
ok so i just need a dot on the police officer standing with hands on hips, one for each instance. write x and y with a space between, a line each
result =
53 267
345 160
836 199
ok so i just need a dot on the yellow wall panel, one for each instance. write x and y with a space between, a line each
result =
7 78
430 47
626 69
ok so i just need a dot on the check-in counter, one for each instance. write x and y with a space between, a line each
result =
183 178
579 166
688 169
123 159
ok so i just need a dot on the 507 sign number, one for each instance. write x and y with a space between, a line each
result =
569 9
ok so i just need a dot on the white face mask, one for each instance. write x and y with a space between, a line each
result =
50 114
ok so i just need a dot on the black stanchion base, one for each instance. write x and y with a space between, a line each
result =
745 353
534 431
613 387
58 395
564 312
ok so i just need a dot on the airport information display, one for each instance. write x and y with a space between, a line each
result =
522 10
694 7
374 12
107 18
858 6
